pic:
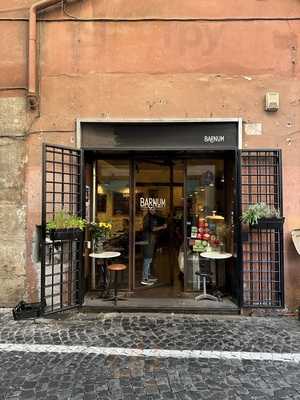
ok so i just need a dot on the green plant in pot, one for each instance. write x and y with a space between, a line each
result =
65 226
260 212
100 232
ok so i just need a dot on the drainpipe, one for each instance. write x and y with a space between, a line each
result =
32 50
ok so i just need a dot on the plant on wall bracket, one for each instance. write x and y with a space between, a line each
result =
260 214
65 226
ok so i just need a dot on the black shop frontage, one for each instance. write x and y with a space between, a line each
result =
167 197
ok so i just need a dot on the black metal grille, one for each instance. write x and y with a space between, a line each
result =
61 259
262 246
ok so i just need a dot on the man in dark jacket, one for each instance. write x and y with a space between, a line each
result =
151 225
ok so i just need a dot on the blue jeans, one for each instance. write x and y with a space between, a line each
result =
146 268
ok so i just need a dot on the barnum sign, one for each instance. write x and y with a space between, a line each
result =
151 202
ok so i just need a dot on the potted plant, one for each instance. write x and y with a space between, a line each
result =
260 215
65 226
100 232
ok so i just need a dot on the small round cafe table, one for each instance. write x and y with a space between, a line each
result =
215 256
105 256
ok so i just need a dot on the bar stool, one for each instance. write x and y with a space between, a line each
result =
205 295
205 273
116 268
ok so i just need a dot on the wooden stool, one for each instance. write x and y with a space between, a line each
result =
116 268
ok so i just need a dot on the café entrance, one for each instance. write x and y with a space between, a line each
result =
163 209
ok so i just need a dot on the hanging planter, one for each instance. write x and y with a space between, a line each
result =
65 234
262 216
269 223
66 227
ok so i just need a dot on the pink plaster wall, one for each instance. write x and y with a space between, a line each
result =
164 69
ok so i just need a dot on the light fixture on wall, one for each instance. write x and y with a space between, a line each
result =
100 189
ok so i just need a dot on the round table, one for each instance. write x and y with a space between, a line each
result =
105 256
216 255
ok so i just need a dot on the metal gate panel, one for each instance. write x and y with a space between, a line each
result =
262 248
61 264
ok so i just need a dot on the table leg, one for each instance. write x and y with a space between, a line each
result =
217 291
106 280
217 274
116 287
94 263
101 284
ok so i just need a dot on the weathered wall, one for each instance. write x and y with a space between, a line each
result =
162 69
12 204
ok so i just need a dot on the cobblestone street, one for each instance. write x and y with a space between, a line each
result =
127 356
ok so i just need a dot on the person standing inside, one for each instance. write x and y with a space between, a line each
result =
151 226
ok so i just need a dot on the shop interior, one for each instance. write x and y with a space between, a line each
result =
163 212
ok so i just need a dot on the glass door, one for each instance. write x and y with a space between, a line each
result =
158 224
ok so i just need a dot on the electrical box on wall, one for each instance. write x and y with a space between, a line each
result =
272 101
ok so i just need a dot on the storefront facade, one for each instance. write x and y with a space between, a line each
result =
116 65
186 171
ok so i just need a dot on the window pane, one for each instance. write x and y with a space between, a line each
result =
205 197
112 205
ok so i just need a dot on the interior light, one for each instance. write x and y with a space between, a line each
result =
100 189
125 192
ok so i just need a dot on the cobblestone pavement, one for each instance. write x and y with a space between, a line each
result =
158 331
57 376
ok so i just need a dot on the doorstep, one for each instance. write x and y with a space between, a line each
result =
167 305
